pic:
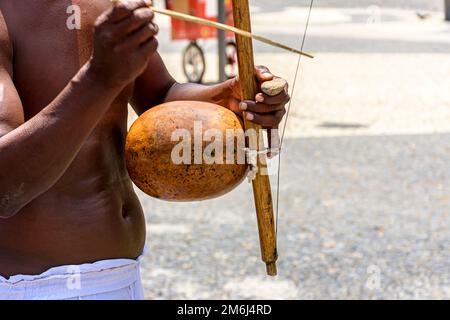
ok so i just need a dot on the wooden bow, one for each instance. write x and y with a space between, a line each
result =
261 184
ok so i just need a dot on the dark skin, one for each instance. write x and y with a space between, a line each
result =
65 195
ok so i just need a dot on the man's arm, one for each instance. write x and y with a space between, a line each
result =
156 86
152 86
34 154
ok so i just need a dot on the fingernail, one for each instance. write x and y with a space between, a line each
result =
259 97
249 116
266 74
243 106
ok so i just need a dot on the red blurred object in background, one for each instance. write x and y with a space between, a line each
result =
206 9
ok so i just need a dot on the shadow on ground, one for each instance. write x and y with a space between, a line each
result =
360 217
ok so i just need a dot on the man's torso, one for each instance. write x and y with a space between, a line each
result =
92 212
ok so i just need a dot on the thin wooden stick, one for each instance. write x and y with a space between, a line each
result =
261 184
224 27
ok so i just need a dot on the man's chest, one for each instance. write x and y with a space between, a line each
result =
52 39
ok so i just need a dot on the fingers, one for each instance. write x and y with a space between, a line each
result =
233 105
129 26
135 21
281 98
149 47
268 113
138 38
263 74
123 9
270 120
252 106
268 104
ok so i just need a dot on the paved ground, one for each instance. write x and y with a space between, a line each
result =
360 217
365 185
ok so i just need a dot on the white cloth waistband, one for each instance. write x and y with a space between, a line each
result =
74 281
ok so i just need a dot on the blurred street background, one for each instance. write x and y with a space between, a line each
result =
364 206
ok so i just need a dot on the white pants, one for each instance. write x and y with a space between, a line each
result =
115 279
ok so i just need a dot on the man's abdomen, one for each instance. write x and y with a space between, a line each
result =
90 214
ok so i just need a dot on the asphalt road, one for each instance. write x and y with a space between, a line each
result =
364 210
360 218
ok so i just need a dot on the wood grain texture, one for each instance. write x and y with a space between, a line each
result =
261 184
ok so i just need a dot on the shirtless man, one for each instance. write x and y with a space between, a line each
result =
65 195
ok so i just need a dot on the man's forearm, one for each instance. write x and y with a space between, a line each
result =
218 94
35 155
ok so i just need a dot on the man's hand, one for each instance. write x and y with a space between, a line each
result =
265 110
124 41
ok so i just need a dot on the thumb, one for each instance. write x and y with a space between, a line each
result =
263 74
